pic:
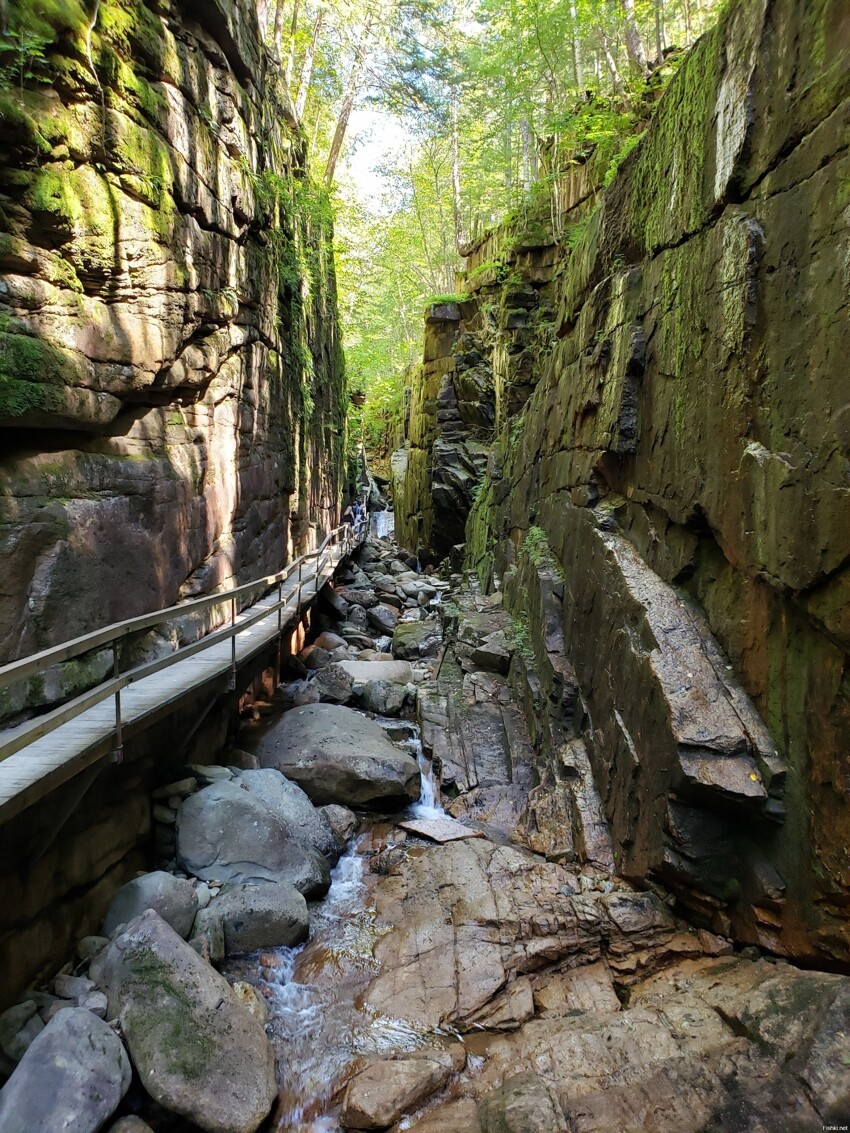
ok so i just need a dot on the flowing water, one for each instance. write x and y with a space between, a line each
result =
317 1024
382 524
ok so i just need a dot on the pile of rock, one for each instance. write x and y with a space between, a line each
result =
249 848
379 637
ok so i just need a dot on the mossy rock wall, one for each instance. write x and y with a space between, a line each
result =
172 403
685 451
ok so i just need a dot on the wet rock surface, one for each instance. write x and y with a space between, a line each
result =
479 963
174 898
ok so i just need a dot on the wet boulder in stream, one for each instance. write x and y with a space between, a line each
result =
196 1048
226 833
267 915
412 640
293 808
338 756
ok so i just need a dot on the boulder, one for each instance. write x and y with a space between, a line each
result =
293 808
339 756
226 833
383 617
269 915
19 1026
383 697
174 898
295 693
196 1049
329 641
494 653
379 1094
334 601
72 1077
314 657
333 684
362 597
412 640
397 672
130 1125
344 822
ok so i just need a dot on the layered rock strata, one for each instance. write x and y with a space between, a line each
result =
171 388
667 510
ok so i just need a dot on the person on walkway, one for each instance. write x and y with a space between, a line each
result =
349 516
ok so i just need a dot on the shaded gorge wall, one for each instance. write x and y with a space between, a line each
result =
665 498
172 401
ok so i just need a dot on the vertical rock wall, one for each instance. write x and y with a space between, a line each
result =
172 399
681 470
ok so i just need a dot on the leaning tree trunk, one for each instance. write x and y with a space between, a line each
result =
348 102
610 60
307 69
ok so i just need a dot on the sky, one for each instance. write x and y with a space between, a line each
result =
374 136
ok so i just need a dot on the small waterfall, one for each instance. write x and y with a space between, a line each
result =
429 805
382 524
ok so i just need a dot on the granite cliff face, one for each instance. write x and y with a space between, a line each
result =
665 502
172 399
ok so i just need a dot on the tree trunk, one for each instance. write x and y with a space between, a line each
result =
509 159
348 102
688 36
456 202
634 46
525 134
293 28
610 60
659 30
307 69
278 25
578 66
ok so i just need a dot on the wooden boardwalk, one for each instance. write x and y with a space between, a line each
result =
75 745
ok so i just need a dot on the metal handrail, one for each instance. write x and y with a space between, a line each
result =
25 734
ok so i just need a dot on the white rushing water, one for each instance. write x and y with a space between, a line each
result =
317 1024
382 524
429 805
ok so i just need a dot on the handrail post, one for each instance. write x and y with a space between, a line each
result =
231 684
118 750
279 652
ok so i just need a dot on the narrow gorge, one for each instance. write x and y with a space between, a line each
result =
462 749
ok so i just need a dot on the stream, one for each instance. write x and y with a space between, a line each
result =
313 990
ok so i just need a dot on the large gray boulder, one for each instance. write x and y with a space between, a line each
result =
72 1078
339 756
294 809
270 915
417 639
225 833
174 898
333 684
196 1048
382 697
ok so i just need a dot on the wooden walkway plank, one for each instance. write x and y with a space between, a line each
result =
56 757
